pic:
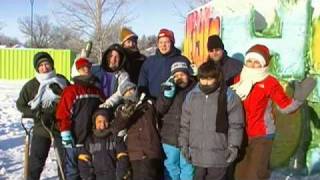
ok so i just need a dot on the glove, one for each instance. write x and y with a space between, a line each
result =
170 88
123 170
127 111
304 88
84 157
106 105
67 140
194 69
186 153
232 154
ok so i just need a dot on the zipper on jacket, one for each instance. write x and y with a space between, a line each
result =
204 117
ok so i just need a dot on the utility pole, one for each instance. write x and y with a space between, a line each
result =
31 19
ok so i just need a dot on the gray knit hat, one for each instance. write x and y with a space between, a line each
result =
125 86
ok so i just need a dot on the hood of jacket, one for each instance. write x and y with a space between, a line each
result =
105 64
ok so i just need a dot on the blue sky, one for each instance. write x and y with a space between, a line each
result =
149 15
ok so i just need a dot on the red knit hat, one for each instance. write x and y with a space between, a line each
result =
166 33
259 52
82 62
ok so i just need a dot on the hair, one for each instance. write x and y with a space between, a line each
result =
209 70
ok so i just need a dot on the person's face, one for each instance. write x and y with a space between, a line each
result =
207 81
101 122
113 59
44 67
253 63
181 79
164 45
216 54
129 92
85 71
130 44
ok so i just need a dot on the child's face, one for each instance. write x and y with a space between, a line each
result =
130 92
101 122
207 81
85 71
253 63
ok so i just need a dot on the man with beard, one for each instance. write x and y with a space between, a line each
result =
229 66
38 99
74 111
129 41
156 69
169 106
211 125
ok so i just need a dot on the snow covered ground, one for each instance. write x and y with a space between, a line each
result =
12 140
12 136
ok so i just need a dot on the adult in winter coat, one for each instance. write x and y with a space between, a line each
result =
211 125
135 59
105 155
156 69
258 89
216 53
169 108
37 100
74 112
113 75
143 140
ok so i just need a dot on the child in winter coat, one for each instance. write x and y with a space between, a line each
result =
258 89
143 140
104 156
169 106
211 125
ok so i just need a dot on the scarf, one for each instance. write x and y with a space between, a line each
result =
249 77
45 96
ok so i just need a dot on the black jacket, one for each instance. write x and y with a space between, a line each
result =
133 64
169 111
27 93
230 68
103 153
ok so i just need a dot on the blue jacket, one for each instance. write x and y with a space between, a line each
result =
156 70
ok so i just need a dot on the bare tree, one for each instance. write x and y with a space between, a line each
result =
191 4
98 20
8 41
41 36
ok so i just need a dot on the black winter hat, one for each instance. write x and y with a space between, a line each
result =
41 57
106 112
214 42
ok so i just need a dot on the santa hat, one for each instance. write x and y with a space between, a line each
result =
166 33
260 53
82 62
126 34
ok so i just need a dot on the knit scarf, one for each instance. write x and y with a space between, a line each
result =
249 77
45 95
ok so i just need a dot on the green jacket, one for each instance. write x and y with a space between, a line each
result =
27 93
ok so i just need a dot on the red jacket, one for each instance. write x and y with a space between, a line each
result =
75 110
258 106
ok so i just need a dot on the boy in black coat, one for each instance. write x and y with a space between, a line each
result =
104 156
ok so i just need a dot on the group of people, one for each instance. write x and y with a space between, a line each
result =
152 118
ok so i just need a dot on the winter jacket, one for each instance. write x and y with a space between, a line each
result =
76 106
110 80
143 140
230 68
156 70
169 110
258 106
27 93
133 64
198 127
103 163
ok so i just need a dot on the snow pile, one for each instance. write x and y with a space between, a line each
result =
12 136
